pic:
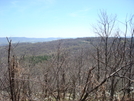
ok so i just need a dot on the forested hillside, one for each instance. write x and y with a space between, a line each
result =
62 69
41 48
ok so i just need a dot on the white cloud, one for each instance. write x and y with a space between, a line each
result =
73 14
80 13
85 10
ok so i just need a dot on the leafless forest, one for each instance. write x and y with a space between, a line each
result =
96 69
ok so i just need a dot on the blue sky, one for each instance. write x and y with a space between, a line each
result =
57 18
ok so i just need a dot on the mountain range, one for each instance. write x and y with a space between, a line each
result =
4 41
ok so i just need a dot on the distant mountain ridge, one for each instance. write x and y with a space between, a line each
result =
3 40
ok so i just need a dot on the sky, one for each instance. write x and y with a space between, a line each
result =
57 18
